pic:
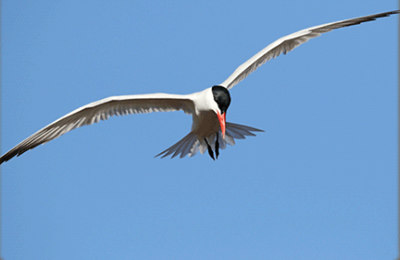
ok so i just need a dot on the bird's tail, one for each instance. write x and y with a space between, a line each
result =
190 144
183 147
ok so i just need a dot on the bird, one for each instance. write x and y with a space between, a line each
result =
208 108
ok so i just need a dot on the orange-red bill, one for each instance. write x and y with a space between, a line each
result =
222 122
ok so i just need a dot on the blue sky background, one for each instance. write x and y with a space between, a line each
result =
320 183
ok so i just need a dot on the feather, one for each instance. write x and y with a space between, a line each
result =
190 144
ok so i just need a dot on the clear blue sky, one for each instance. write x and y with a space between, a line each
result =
319 183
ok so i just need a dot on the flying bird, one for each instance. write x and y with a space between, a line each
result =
208 108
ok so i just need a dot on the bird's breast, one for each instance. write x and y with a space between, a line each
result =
205 124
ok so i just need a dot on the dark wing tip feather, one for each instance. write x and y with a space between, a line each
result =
102 110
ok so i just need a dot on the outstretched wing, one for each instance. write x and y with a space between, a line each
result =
289 42
102 110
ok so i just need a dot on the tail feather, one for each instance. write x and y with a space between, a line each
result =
240 131
183 147
190 144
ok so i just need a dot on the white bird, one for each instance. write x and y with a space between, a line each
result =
208 108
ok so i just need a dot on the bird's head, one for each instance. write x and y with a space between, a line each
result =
223 100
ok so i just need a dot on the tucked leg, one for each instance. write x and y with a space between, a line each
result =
210 151
217 146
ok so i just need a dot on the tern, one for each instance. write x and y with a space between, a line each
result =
208 108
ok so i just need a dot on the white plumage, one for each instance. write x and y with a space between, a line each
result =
291 41
207 111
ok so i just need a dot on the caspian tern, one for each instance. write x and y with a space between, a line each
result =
208 108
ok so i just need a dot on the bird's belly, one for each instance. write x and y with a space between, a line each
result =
205 124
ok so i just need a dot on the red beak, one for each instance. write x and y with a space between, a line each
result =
222 122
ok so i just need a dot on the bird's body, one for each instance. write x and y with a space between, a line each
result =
204 120
208 108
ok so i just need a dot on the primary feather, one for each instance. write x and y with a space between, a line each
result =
102 110
289 42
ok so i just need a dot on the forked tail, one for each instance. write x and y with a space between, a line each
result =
190 144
